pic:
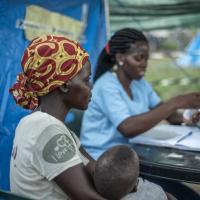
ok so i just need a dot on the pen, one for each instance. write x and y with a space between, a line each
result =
185 136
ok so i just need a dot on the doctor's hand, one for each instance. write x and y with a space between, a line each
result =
191 117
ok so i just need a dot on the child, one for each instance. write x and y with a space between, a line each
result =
116 177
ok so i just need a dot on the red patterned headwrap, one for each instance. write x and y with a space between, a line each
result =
48 62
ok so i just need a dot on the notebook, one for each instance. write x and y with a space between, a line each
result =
175 136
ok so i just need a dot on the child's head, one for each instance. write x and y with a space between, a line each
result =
116 172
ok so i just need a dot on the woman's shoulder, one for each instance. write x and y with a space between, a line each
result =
107 80
37 117
36 122
38 125
107 76
31 128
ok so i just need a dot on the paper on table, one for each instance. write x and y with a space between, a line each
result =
190 143
171 136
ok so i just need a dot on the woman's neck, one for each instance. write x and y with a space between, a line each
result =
53 105
125 81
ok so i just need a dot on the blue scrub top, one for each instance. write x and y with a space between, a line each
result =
110 105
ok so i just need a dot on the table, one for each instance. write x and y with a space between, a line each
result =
169 163
170 168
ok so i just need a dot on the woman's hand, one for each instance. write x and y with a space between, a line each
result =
191 117
191 100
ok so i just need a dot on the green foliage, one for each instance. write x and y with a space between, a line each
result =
160 69
169 44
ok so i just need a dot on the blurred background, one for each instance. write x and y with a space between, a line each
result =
172 27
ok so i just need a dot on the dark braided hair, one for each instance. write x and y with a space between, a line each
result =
120 42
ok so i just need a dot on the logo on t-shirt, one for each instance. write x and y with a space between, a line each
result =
59 149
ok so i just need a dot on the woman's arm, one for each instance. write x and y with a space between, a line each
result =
175 118
90 167
170 196
136 125
76 182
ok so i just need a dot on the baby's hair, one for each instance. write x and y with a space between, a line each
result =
116 172
120 42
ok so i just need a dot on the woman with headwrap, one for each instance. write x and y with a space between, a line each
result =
48 161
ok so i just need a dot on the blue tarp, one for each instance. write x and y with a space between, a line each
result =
192 56
12 44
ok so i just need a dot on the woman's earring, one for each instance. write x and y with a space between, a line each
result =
121 63
64 89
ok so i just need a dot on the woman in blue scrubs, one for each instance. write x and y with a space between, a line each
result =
123 103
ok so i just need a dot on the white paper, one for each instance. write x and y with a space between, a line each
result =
191 143
171 136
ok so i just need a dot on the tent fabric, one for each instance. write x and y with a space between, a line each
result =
46 21
13 43
154 14
191 58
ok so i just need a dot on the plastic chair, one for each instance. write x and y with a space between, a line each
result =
5 195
